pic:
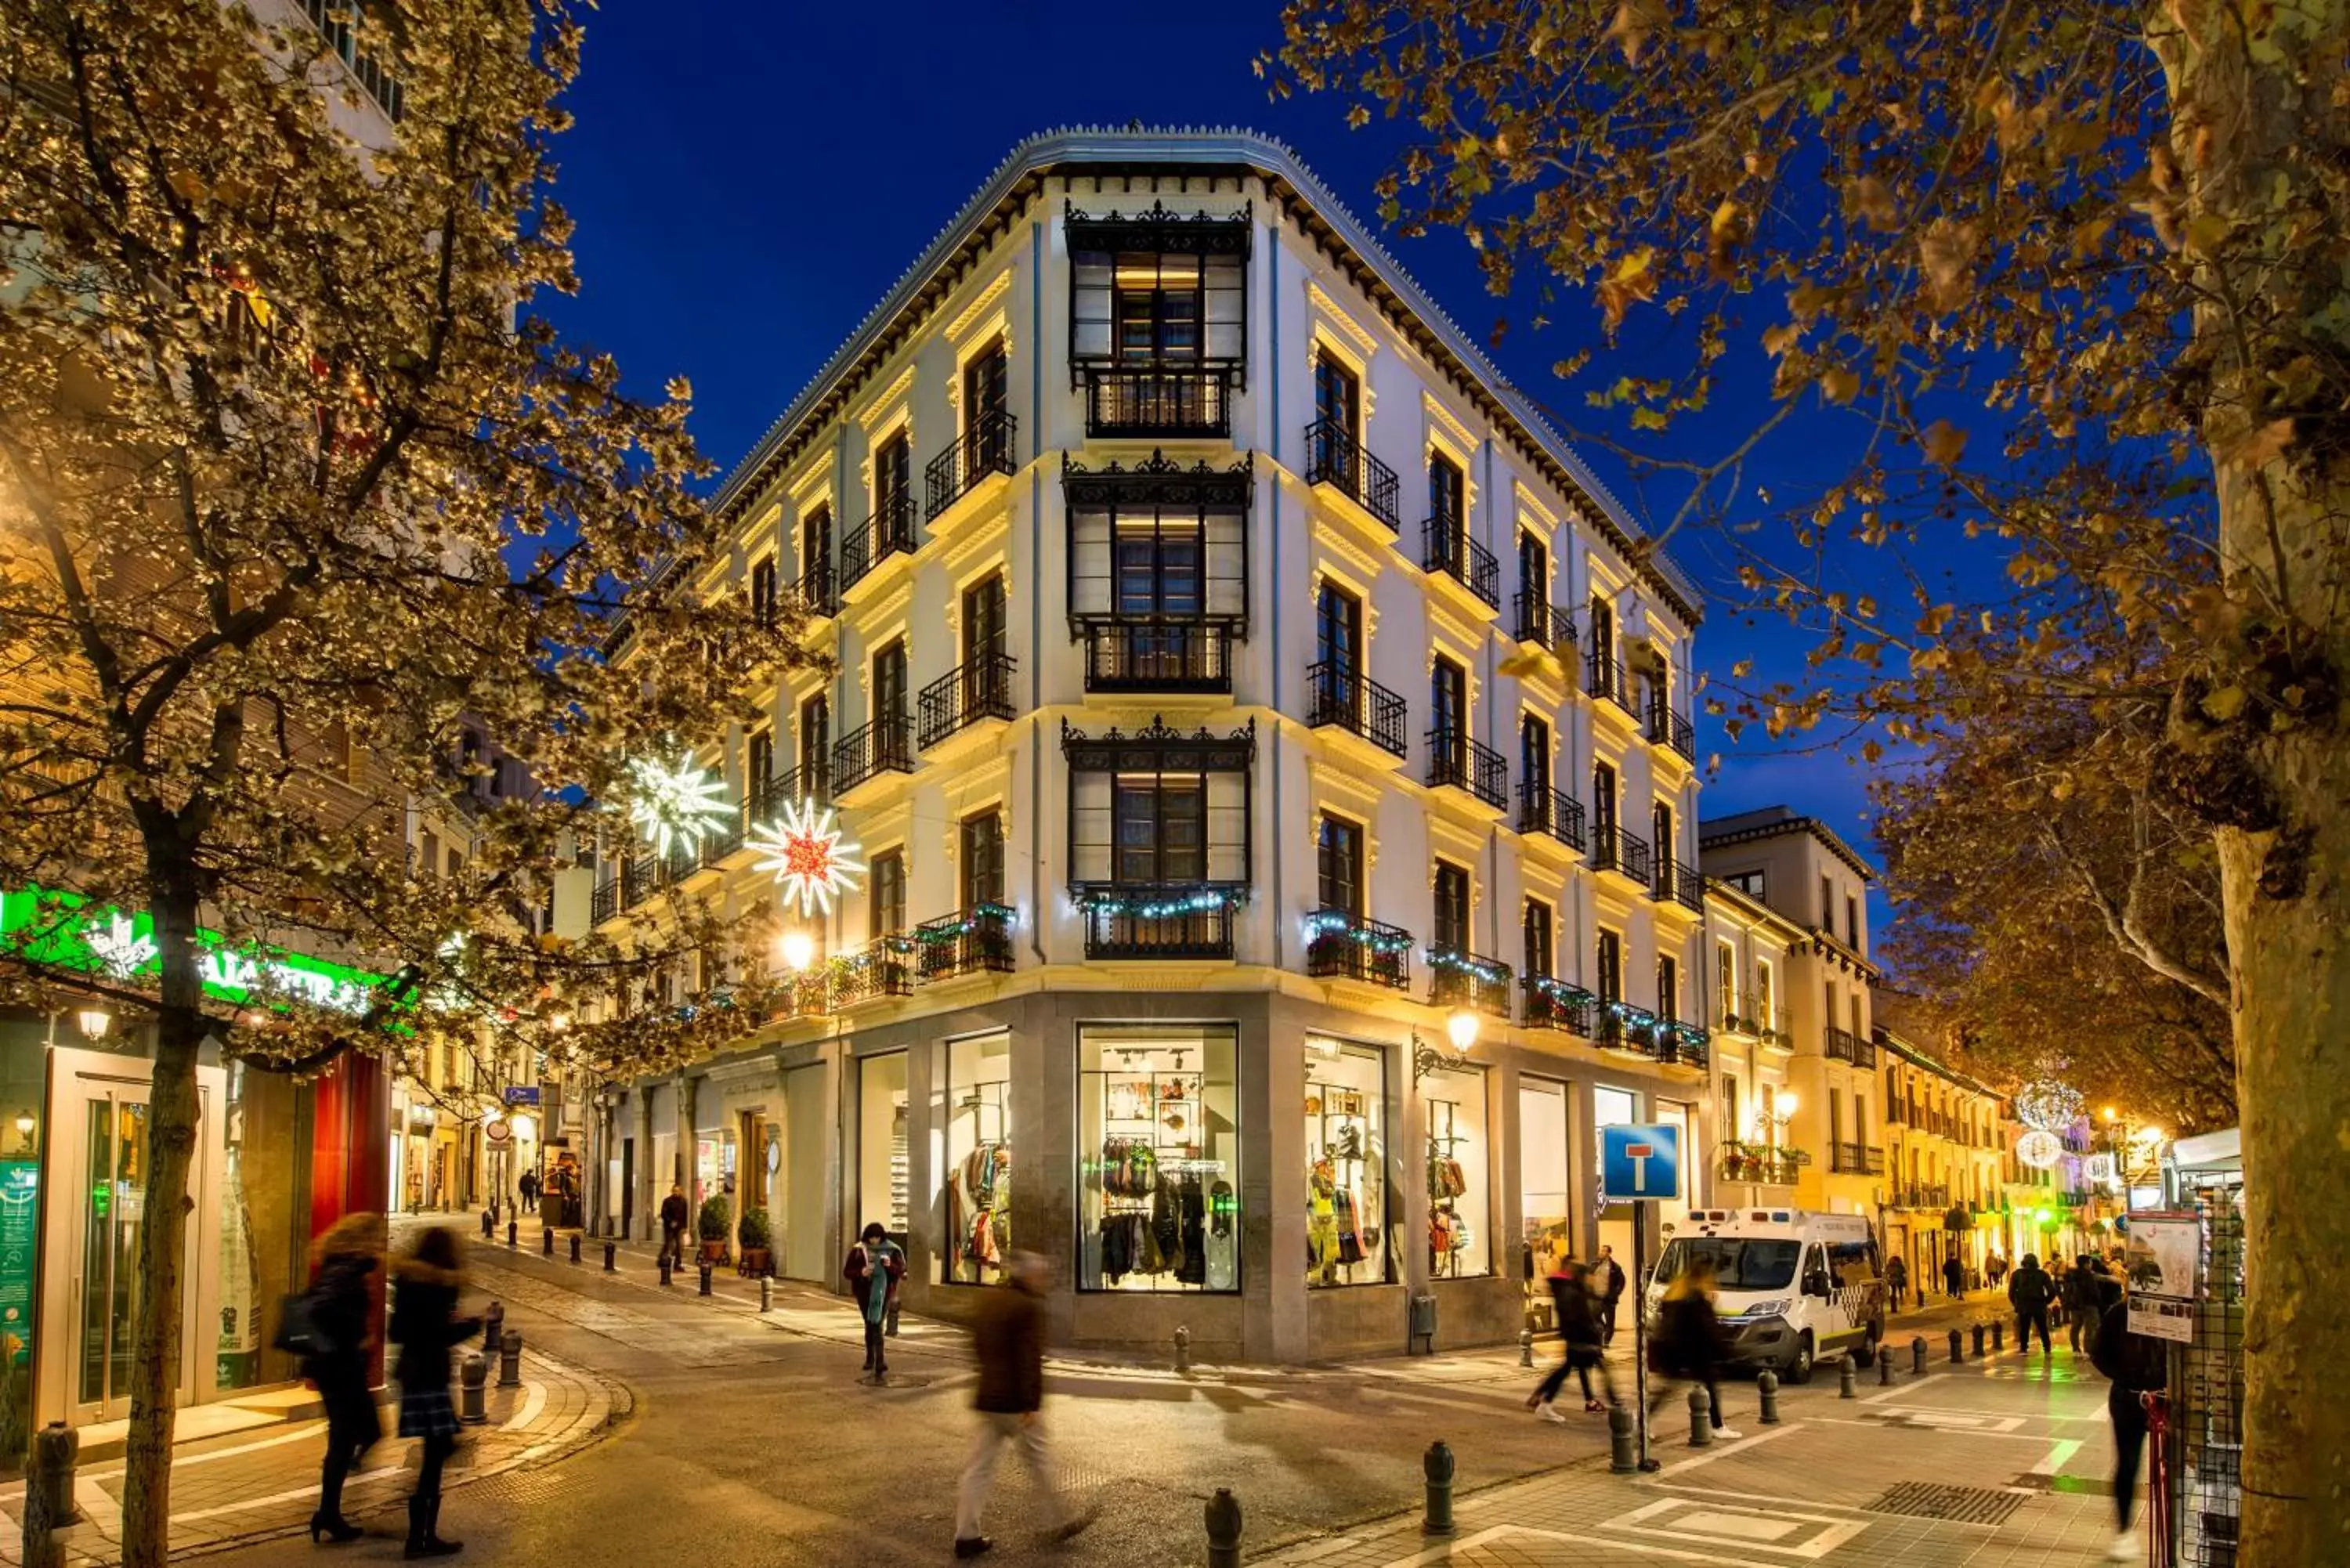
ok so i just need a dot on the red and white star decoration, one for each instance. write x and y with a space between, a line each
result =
805 852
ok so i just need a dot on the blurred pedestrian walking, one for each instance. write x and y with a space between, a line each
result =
1578 1328
674 1213
425 1324
2083 1300
332 1337
1689 1344
1954 1278
1009 1336
1896 1282
2137 1366
528 1188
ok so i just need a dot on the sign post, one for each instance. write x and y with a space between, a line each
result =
1640 1163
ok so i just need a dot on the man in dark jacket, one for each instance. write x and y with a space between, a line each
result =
2029 1291
673 1216
1608 1289
2136 1365
1954 1278
1009 1337
1578 1325
2083 1284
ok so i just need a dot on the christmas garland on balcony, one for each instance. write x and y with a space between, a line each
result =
1156 906
1335 923
1483 970
978 917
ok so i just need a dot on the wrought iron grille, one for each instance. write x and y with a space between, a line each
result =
1174 401
885 745
978 689
1333 457
1130 921
1667 728
1553 1004
1351 947
1446 548
1677 881
1157 655
1536 620
1460 979
1604 677
882 967
1353 701
969 941
817 589
987 447
1454 758
1616 849
889 531
1542 809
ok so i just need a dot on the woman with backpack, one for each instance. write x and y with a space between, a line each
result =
425 1322
335 1358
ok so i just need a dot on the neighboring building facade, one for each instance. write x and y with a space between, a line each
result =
1801 871
1747 952
1236 682
1949 1153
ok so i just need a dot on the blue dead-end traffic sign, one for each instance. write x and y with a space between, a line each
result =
1640 1161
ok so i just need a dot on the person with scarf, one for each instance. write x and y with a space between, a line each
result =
875 1266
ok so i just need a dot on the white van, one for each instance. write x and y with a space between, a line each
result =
1794 1287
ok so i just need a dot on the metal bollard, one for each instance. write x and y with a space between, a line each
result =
494 1327
472 1386
1917 1354
1767 1392
766 1294
1437 1463
1623 1447
665 1269
575 1248
1224 1529
705 1279
1700 1418
514 1233
1847 1374
1978 1342
610 1253
49 1495
1958 1345
1999 1336
1182 1348
510 1360
489 1223
547 1244
1885 1364
1526 1348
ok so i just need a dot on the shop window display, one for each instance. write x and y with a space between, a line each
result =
882 1126
978 1169
1459 1246
1347 1166
1159 1154
1544 1206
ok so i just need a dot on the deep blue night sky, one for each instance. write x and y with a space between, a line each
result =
749 181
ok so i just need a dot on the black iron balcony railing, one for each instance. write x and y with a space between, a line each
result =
1333 457
1604 677
1446 548
882 967
1677 881
818 589
987 447
1460 979
1624 1027
643 877
1190 400
1616 849
1157 655
718 843
605 902
1542 809
1340 946
1454 758
1688 1044
1151 920
1534 618
1761 1164
1552 1004
976 690
885 745
889 531
1856 1159
1844 1046
1924 1197
810 781
1667 728
1353 701
969 941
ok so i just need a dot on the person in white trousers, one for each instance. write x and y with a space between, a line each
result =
1010 1339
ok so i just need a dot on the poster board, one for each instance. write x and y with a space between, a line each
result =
2160 1264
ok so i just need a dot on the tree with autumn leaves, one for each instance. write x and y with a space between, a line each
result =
295 486
2069 276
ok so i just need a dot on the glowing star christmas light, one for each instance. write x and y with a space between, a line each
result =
676 803
804 851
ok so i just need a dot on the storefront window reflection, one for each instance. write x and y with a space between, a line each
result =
882 1143
1458 1243
1542 1201
978 1171
1346 1164
1158 1156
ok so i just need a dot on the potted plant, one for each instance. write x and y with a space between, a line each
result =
758 1260
717 1218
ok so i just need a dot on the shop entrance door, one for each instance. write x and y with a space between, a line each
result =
105 1147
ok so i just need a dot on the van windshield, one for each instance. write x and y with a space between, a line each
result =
1740 1263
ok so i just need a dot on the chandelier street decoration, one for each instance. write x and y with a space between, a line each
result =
804 851
676 803
2039 1148
2048 1104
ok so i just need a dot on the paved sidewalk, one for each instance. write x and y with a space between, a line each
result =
236 1489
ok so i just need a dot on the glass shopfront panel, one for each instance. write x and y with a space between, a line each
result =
1545 1204
261 1248
976 1173
1346 1194
881 1128
1614 1107
1460 1244
1159 1157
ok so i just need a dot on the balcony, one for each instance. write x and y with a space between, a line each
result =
1620 1026
1455 760
1856 1159
1933 1197
605 901
977 940
810 781
882 967
818 589
1844 1046
1542 809
1142 921
1678 882
1340 946
1446 549
885 745
1157 655
1552 1004
976 690
1534 618
1460 979
1145 402
718 843
640 879
889 531
985 448
1760 1165
1604 677
1689 1044
1667 728
1334 458
1616 848
1354 701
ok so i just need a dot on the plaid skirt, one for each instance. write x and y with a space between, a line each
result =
427 1413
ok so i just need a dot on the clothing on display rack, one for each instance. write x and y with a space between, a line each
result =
979 1211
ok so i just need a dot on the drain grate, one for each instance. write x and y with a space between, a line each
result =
1961 1504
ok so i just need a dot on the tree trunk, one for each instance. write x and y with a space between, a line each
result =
163 1241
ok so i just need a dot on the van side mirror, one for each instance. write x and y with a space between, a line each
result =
1816 1284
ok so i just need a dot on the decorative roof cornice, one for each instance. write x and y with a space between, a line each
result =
1748 833
1749 907
1208 152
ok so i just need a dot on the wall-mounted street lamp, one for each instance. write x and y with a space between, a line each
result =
1461 1035
798 950
94 1021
